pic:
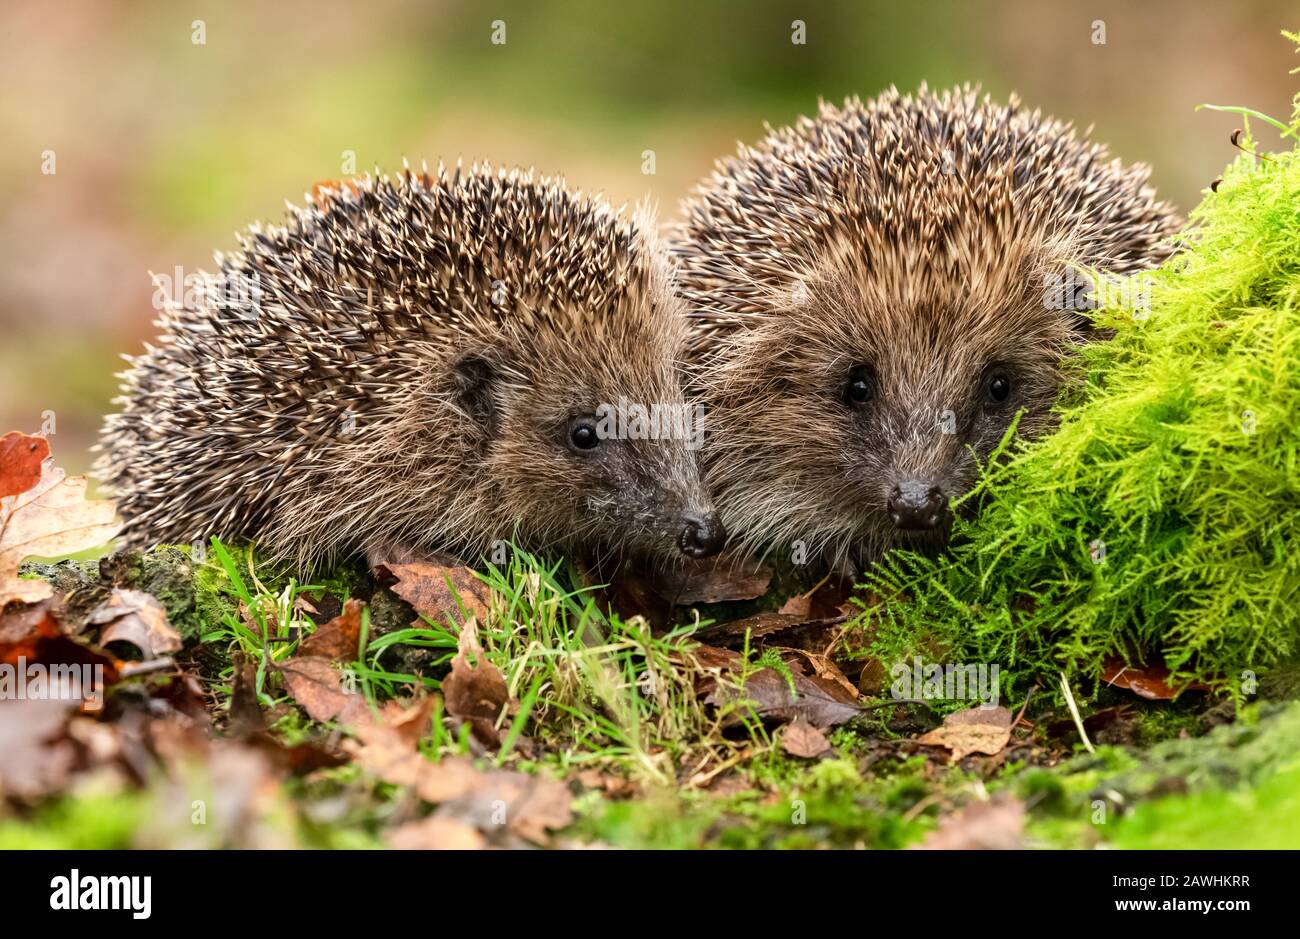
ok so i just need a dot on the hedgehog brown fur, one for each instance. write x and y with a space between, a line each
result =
863 285
404 363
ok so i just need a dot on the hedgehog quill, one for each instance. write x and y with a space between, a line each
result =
877 291
416 363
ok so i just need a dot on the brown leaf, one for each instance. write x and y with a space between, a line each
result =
489 801
829 674
995 825
822 705
37 756
801 738
975 730
137 618
446 594
317 685
337 640
31 635
1146 681
49 519
22 625
436 834
478 695
386 747
21 457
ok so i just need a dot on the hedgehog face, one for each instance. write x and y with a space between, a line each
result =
849 421
863 288
600 444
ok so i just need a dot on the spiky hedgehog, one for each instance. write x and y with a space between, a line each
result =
414 363
876 291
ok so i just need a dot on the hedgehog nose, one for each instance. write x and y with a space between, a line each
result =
702 535
915 505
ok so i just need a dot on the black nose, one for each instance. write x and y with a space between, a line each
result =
702 536
916 506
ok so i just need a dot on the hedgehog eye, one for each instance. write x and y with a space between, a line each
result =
861 386
582 434
997 389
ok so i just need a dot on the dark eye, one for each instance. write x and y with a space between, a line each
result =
997 389
861 387
583 436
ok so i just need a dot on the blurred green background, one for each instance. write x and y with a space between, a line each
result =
162 147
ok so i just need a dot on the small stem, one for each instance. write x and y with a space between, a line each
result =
1074 712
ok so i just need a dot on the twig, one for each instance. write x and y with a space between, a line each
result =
1025 706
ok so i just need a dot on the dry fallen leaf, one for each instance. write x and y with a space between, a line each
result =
449 594
317 685
975 730
995 825
338 639
49 519
490 801
38 757
436 834
822 704
31 635
477 694
801 738
1146 681
137 618
386 747
21 457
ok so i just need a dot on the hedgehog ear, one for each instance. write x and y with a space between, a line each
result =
474 387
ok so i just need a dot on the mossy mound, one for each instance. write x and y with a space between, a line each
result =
1161 519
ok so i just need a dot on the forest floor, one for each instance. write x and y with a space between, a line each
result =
422 704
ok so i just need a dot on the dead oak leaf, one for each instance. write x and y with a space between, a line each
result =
32 636
386 746
993 825
38 756
449 594
975 730
478 694
772 695
801 738
315 683
1145 681
436 834
339 639
135 617
508 802
49 519
21 457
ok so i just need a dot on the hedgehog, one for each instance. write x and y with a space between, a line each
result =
875 293
418 364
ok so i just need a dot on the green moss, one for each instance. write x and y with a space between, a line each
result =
1233 787
93 820
1263 817
1159 520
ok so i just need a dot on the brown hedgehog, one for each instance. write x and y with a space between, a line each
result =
877 291
418 363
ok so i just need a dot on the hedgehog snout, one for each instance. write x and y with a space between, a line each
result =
917 505
702 535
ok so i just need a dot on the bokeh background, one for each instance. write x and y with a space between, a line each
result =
163 147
